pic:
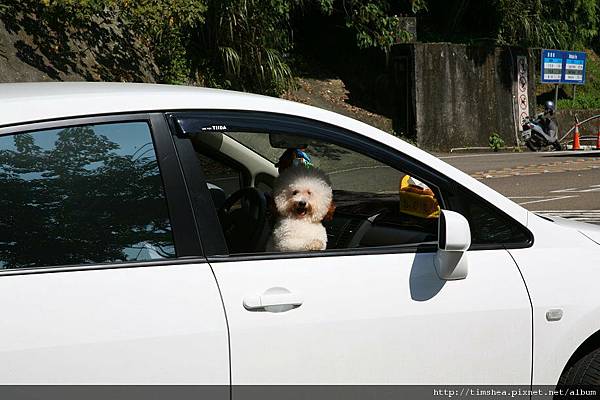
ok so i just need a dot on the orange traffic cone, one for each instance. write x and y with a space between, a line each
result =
576 145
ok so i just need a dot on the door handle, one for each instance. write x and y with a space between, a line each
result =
273 300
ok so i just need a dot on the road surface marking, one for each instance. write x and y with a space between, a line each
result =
527 197
592 188
550 199
589 216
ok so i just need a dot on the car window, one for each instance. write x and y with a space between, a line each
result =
221 174
365 179
81 195
375 205
490 226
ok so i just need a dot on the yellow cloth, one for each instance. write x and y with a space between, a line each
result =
417 201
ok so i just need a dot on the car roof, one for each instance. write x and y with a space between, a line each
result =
25 102
22 103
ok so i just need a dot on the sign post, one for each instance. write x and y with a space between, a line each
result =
560 66
522 98
563 67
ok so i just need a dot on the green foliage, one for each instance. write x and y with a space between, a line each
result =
496 141
374 27
247 43
240 44
581 18
521 23
565 24
164 26
588 95
374 22
585 101
168 27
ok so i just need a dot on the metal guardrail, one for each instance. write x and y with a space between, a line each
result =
581 123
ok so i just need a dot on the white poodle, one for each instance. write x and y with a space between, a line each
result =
303 198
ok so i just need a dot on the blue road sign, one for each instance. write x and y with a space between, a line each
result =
563 67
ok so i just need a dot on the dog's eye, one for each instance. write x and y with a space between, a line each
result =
295 192
309 192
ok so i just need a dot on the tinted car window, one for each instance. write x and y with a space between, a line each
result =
79 195
490 227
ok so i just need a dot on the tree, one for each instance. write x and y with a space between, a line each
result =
246 44
375 22
564 24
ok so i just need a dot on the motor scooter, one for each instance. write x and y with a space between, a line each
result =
535 136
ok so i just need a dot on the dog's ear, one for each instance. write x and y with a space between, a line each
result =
330 211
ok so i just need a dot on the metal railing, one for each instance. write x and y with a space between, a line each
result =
592 137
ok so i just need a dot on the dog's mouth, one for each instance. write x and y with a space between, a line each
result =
301 210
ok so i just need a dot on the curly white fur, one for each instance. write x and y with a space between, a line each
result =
303 197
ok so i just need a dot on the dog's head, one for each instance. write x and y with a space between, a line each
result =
303 193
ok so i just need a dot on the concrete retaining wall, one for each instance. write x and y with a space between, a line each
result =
461 94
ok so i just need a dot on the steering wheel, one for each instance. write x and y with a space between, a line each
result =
244 227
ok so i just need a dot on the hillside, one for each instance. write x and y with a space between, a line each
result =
28 54
331 94
100 52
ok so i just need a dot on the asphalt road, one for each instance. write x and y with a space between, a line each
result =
566 184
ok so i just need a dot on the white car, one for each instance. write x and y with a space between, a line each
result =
132 229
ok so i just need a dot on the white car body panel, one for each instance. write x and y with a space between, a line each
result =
148 325
379 319
561 277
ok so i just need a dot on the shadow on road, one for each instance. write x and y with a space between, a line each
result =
573 154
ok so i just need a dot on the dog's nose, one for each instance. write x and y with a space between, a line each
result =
301 203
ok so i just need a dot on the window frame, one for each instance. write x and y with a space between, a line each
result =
184 122
185 233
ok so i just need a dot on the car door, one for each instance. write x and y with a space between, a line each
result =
102 278
372 314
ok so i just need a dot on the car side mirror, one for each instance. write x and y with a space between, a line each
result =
454 239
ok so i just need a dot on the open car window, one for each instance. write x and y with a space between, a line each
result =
375 205
384 200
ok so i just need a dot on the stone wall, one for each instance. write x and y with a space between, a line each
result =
462 94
